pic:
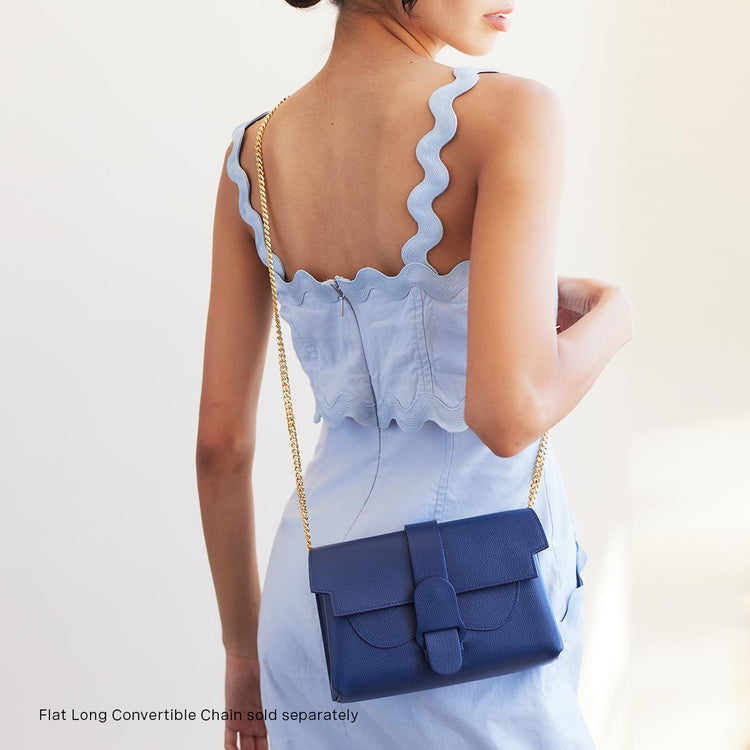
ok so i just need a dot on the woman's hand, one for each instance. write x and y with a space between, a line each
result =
242 693
576 297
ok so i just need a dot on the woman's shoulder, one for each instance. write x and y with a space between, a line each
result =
496 106
498 97
501 109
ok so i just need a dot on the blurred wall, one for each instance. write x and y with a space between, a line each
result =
683 101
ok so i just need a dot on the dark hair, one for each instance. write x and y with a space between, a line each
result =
407 4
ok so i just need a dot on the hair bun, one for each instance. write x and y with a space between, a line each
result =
302 3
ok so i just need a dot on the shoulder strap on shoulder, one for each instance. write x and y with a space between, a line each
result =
436 178
251 217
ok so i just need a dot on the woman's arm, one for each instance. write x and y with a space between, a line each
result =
522 377
237 330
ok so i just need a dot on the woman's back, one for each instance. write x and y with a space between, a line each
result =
340 161
396 192
399 352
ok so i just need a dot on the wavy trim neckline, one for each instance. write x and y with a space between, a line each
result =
416 270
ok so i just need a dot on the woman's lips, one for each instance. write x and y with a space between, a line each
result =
498 20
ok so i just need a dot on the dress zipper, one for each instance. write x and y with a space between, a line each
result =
341 297
364 354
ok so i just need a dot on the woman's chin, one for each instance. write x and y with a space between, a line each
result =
478 47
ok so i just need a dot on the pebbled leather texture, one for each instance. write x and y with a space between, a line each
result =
433 604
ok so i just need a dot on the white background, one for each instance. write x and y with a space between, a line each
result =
115 122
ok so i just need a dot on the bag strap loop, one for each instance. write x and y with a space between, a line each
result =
286 391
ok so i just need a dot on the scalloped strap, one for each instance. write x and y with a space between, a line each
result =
436 177
419 203
238 175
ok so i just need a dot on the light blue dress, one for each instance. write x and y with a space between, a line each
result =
386 359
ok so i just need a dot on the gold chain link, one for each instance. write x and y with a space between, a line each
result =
286 390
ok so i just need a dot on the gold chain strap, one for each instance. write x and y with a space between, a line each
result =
287 393
282 355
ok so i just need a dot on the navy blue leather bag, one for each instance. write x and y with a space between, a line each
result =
431 604
435 604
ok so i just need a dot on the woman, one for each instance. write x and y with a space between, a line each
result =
434 383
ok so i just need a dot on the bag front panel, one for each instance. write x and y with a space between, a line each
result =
359 669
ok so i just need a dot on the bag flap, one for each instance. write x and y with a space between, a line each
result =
375 572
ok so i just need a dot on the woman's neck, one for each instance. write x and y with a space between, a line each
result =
365 42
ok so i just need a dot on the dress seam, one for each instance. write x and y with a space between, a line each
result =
424 367
372 486
424 342
443 483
